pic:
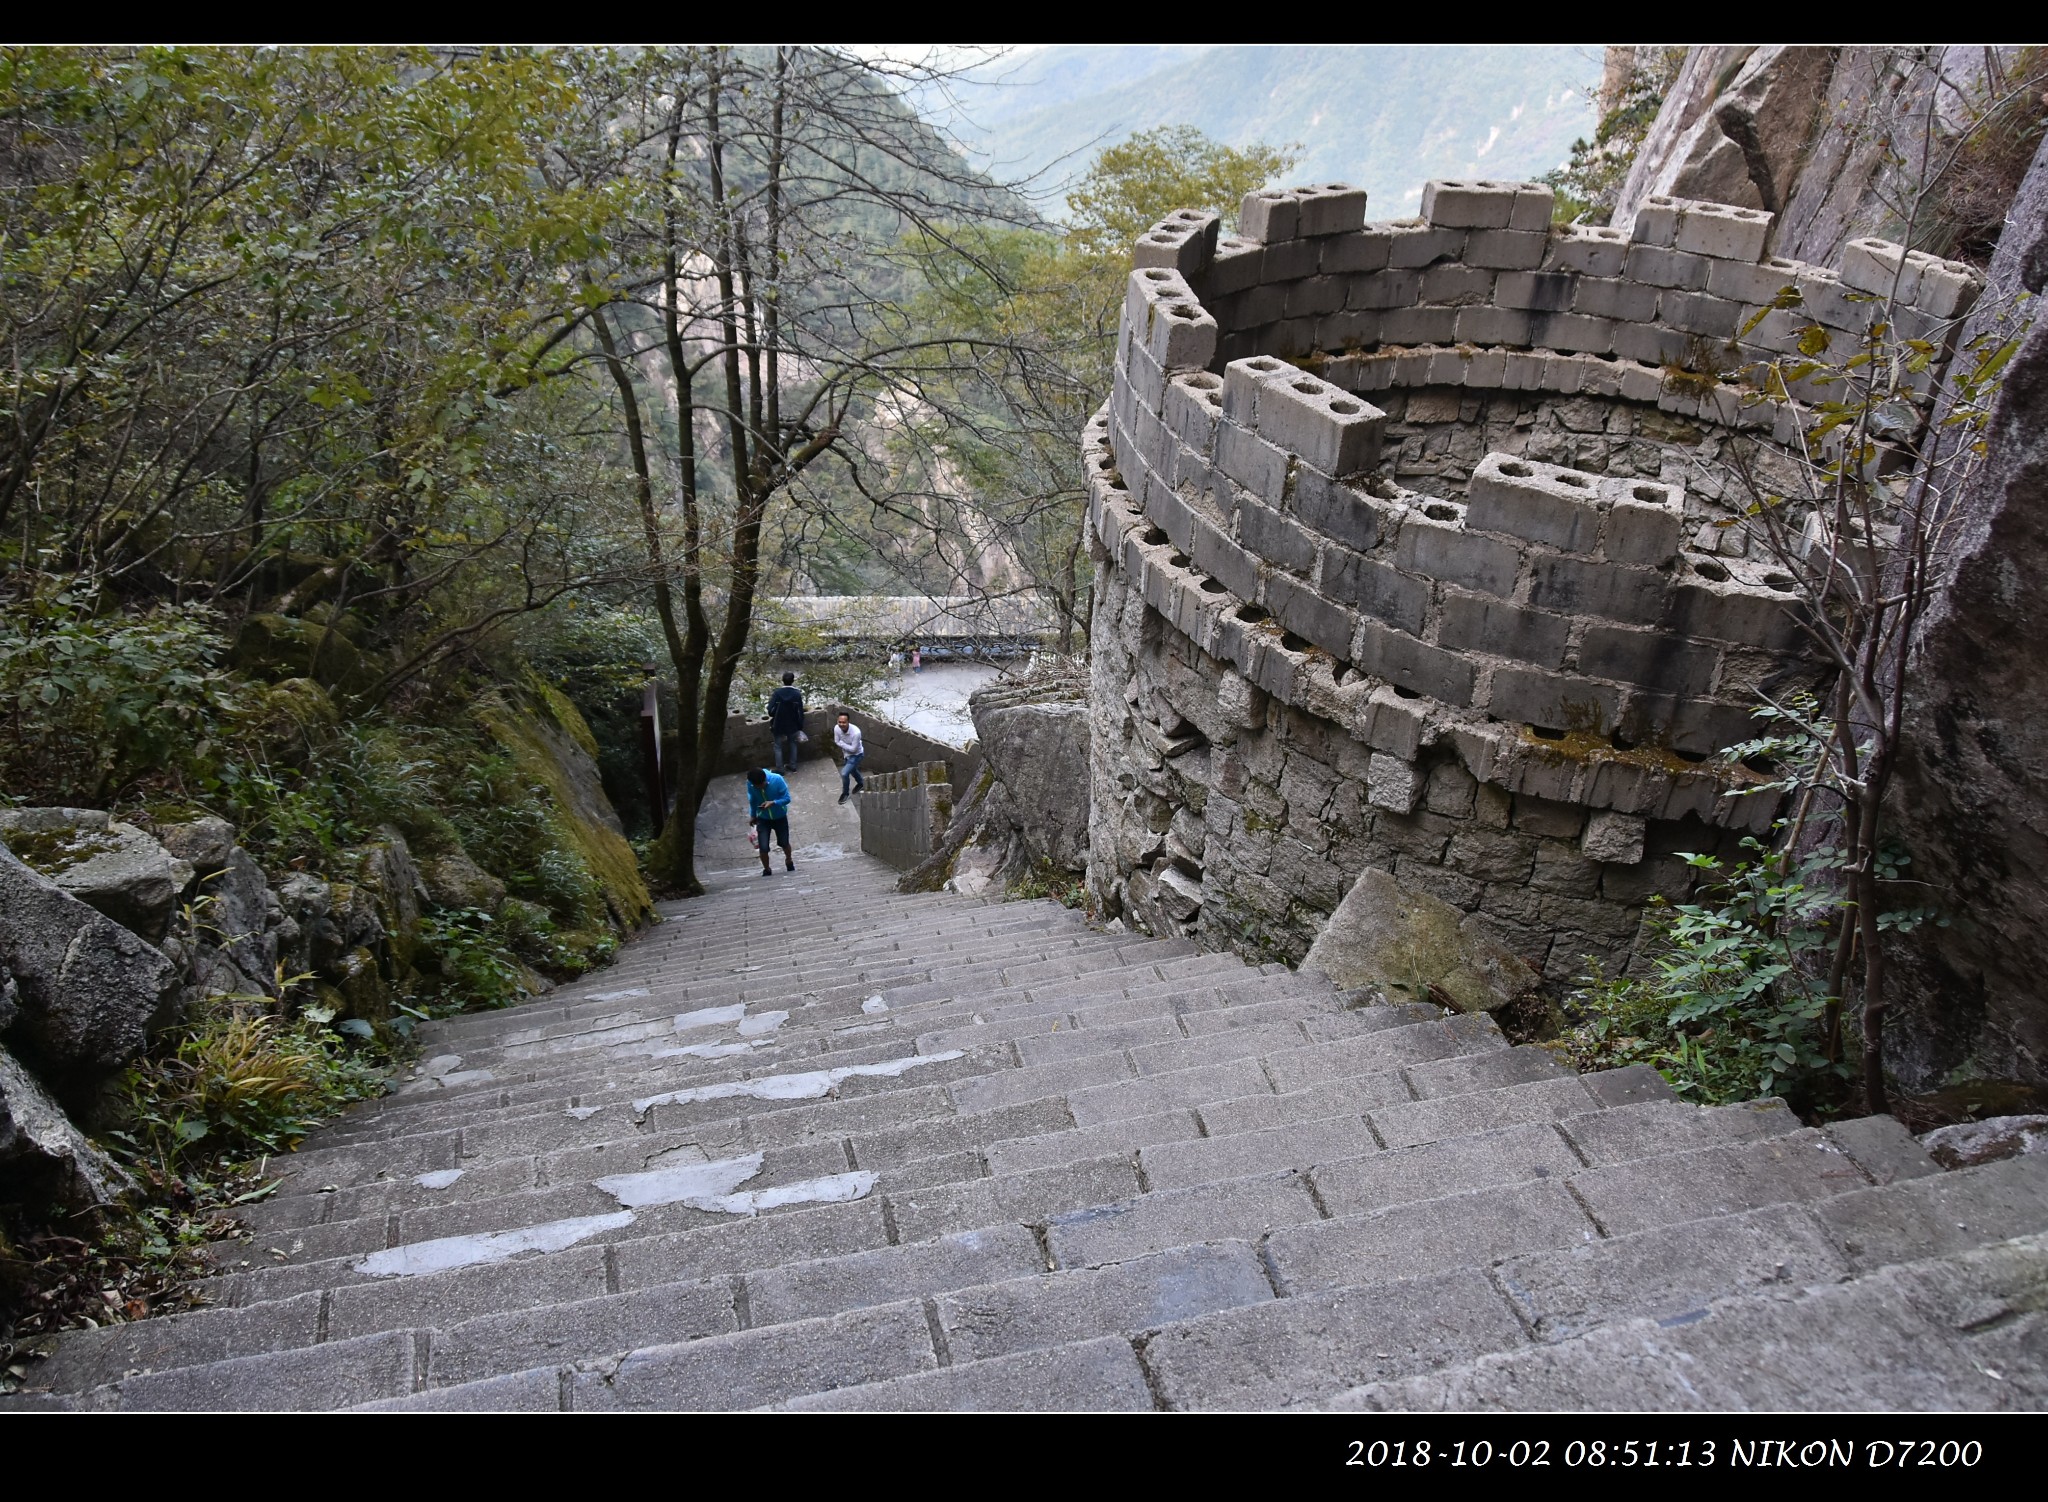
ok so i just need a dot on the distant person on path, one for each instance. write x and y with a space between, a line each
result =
786 722
846 736
768 808
917 659
895 664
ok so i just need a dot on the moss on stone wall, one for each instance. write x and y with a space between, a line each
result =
553 746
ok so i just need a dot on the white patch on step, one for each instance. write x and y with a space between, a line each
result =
468 1077
873 1005
762 1022
808 1086
686 1184
583 1113
710 1017
449 1252
712 1186
706 1050
614 995
442 1064
440 1178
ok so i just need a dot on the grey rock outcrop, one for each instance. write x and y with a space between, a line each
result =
44 1159
1026 806
87 988
1413 947
1969 1143
456 881
111 866
1972 783
1810 134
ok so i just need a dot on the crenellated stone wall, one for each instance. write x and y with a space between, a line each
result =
1412 553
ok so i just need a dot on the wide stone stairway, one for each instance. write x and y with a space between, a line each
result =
815 1144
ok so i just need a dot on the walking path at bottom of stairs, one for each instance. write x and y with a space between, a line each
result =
816 1144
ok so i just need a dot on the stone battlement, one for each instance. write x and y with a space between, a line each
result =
1563 633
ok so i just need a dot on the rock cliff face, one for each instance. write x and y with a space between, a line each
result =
1973 774
1821 137
1024 792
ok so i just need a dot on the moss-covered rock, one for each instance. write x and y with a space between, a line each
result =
279 647
554 749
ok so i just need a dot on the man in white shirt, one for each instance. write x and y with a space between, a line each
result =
846 736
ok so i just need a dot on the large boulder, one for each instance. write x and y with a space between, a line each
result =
87 989
44 1159
1413 947
1037 750
112 866
1972 785
232 945
454 881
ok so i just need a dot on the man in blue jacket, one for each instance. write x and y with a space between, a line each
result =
768 807
786 721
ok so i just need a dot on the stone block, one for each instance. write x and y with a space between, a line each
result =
1397 724
1534 205
1492 326
1506 249
1414 243
1662 267
1880 268
1290 261
1468 205
1709 599
1421 325
1336 510
1545 291
1535 501
1825 298
1651 344
1325 425
1243 380
1574 586
1656 221
1350 329
1590 250
1753 285
1218 556
1723 231
1328 209
1450 791
1443 549
1314 295
1554 701
1348 254
1238 263
1393 784
1473 623
1246 457
1548 817
1407 663
1268 216
1639 381
1645 521
1700 313
1307 614
1192 407
1571 332
1456 285
1383 289
1703 727
1612 837
1948 289
1184 240
1653 659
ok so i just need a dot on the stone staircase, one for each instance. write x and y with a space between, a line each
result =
817 1145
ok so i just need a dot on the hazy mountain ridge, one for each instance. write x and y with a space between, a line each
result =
1383 118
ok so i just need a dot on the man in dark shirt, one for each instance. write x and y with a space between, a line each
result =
786 721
